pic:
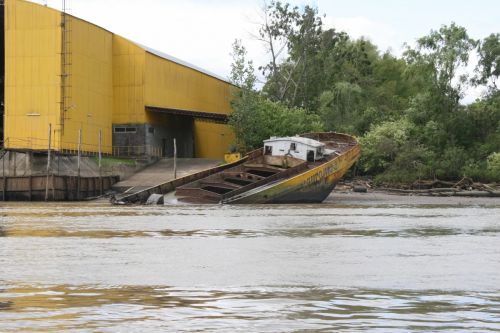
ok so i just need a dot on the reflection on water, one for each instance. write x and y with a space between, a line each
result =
264 309
96 268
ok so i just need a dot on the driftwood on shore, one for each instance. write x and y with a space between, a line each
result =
465 187
447 192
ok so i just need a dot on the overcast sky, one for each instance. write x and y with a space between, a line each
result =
201 32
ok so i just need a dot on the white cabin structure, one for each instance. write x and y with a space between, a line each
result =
298 147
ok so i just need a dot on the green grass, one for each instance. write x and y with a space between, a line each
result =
115 161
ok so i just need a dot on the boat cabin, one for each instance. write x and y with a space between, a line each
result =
298 147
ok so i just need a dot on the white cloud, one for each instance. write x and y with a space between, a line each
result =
381 34
201 32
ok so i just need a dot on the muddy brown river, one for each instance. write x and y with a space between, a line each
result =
287 268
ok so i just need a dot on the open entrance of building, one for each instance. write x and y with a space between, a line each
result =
168 124
164 128
2 71
180 128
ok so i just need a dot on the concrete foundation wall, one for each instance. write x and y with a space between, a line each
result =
129 139
22 164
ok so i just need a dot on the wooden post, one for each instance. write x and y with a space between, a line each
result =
48 164
100 163
53 187
14 166
78 183
175 159
30 180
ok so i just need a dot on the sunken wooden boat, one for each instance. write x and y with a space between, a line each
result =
300 169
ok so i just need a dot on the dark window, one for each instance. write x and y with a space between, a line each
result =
293 146
310 156
125 130
268 150
151 130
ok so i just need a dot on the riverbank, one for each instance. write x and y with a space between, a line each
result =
379 197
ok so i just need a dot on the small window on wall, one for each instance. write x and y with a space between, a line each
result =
293 146
151 130
125 130
268 150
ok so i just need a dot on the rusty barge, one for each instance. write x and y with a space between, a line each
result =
300 169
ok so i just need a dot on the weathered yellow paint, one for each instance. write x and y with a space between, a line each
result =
128 82
174 86
32 74
90 95
212 140
312 181
111 80
232 157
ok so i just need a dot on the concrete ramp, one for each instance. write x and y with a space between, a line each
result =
163 172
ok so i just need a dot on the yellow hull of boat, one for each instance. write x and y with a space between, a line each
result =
311 186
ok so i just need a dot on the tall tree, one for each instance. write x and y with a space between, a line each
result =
438 58
488 68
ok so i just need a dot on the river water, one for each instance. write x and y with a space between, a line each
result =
309 268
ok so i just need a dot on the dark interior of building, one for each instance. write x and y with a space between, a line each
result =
180 128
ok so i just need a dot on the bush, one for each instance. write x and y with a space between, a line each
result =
382 143
493 166
256 118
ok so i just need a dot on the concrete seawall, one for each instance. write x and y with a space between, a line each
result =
54 188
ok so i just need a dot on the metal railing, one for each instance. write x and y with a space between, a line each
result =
86 149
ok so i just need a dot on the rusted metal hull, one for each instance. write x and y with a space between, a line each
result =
305 182
312 186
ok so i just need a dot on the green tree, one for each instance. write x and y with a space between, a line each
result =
438 59
255 117
488 68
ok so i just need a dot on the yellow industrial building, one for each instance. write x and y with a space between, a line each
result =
70 75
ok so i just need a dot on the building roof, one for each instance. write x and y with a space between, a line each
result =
181 62
298 139
146 48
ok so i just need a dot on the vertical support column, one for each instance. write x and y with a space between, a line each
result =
48 164
100 162
175 159
78 182
4 180
27 166
30 180
14 166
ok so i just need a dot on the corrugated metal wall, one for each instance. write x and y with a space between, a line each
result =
90 95
32 74
211 140
111 80
173 86
128 82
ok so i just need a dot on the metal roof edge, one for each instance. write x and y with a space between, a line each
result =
181 62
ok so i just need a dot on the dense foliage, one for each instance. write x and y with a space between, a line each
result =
406 110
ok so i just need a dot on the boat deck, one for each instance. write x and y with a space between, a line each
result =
239 179
257 172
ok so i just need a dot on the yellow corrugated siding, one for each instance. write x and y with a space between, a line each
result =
90 101
212 140
32 69
111 79
128 82
174 86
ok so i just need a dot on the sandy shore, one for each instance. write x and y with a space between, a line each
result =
384 198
